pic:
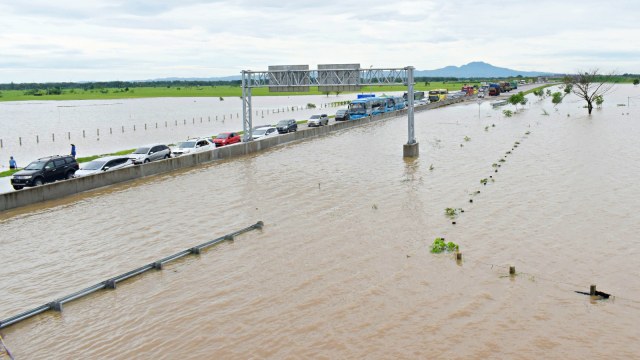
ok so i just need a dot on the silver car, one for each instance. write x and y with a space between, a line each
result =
265 131
149 153
318 120
103 164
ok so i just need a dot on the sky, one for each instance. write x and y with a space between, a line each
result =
96 40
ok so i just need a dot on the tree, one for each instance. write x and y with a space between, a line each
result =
567 88
556 98
590 84
516 99
636 81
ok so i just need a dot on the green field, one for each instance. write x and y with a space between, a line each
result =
201 91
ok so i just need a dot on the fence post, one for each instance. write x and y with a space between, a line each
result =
37 139
69 135
53 137
83 134
20 140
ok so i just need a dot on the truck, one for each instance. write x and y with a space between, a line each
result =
438 95
494 89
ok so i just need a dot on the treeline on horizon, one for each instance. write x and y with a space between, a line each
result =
97 85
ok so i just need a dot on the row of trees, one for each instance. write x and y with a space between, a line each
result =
115 84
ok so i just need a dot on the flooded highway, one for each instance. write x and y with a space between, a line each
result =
342 268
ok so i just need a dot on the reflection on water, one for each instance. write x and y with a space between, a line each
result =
342 268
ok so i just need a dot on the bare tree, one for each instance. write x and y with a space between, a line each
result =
589 85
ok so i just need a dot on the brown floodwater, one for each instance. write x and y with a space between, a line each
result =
342 268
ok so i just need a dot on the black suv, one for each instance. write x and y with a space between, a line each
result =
342 115
45 170
285 126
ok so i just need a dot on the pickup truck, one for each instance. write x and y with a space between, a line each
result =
226 138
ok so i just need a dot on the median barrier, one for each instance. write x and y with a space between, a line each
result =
111 283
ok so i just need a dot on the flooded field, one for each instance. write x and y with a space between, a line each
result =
34 129
342 268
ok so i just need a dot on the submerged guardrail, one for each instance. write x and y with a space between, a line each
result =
110 283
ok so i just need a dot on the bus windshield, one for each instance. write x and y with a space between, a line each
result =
357 109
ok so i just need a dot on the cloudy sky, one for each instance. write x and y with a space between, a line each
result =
64 40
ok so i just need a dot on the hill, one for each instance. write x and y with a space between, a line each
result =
476 69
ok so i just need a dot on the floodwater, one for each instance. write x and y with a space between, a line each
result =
342 268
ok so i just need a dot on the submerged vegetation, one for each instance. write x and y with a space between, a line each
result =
439 246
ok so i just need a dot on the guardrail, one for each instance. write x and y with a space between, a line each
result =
110 283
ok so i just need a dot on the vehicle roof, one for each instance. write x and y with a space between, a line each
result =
113 157
150 145
264 127
53 157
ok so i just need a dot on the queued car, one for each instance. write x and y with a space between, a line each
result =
103 164
286 126
149 153
342 115
318 120
226 138
192 146
262 132
45 170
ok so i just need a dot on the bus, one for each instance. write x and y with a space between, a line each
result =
360 108
393 103
437 95
417 95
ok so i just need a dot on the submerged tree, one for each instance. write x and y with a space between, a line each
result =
556 98
516 99
591 84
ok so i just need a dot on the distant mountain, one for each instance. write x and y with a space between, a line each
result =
476 69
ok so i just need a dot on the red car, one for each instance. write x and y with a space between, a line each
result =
226 138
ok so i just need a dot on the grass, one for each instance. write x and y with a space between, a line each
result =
91 158
201 91
8 172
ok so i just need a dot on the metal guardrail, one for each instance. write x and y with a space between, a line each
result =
110 283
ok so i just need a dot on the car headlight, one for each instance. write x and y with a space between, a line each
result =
23 177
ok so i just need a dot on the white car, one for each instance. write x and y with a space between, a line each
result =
149 153
264 131
103 164
192 146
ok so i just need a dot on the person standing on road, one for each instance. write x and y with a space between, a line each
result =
12 163
73 151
